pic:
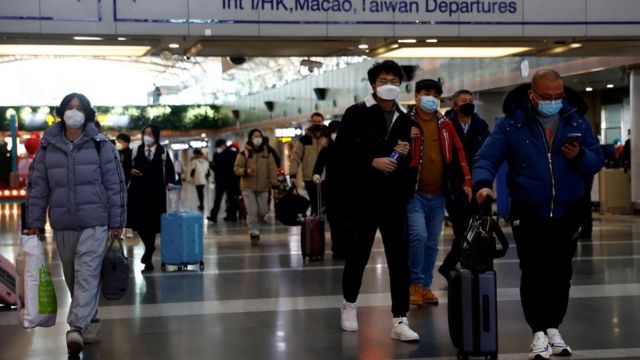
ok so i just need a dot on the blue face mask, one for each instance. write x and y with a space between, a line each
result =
549 108
429 103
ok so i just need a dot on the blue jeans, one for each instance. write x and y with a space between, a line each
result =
425 215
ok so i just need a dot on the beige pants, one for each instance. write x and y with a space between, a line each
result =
256 203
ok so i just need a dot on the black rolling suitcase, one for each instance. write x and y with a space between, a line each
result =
472 303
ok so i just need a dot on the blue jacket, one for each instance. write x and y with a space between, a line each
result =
82 187
545 180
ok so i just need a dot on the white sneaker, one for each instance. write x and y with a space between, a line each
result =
349 316
401 330
558 346
91 332
540 348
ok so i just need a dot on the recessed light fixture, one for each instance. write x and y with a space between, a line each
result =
589 88
174 46
432 40
452 52
609 86
407 41
73 50
122 38
87 38
575 45
395 46
363 46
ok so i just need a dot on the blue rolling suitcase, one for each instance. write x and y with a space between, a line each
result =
181 239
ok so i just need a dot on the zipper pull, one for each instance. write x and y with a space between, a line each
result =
549 157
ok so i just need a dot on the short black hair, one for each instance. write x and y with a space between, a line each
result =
428 84
334 126
460 92
124 137
197 152
317 114
387 66
155 131
89 112
221 142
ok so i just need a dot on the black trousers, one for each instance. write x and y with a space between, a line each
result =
200 191
545 248
460 215
149 241
396 249
231 202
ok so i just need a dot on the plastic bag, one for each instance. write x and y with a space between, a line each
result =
115 271
37 302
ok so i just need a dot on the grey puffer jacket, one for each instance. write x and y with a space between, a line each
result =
82 185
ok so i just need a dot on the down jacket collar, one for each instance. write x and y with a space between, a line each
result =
55 135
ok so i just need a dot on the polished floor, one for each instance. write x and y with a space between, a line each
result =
265 302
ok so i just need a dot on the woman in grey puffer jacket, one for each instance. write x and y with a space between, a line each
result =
77 175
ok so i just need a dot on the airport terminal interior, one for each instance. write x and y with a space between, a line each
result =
205 71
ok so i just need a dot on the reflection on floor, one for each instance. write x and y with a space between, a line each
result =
265 302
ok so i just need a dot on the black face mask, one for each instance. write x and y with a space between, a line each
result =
467 109
317 128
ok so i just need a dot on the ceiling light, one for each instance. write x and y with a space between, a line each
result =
407 41
609 86
453 52
363 46
174 46
90 38
122 38
575 45
432 40
73 50
588 89
395 46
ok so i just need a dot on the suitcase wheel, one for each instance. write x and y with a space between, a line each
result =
201 265
163 267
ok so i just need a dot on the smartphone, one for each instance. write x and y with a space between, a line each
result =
573 138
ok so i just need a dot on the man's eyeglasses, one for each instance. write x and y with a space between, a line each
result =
394 82
548 98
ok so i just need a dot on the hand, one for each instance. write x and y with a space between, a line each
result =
481 196
317 179
135 172
115 232
292 181
251 171
33 231
467 190
570 150
402 148
385 164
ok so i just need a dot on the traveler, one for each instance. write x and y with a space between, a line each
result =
199 175
225 180
122 144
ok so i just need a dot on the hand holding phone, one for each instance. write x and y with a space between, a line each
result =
573 138
571 146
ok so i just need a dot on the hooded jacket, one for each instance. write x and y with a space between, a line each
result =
539 176
82 185
262 161
306 151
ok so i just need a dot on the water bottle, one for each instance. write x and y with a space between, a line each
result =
395 155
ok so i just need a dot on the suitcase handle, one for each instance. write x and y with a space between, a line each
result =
319 192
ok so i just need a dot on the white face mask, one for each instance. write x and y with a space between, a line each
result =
218 150
73 119
119 146
148 140
257 141
333 136
388 92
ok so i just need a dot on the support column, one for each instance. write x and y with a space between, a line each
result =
634 97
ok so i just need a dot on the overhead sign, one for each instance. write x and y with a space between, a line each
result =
287 132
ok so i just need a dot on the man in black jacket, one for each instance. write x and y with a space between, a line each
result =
373 145
472 131
222 166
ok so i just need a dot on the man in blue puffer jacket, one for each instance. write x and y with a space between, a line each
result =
77 176
548 162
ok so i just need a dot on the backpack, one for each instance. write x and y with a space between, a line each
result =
479 245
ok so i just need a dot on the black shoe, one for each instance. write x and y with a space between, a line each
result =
148 267
255 239
230 219
212 219
200 208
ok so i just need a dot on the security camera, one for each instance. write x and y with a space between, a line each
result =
311 64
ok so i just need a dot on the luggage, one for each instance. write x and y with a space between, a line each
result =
291 208
115 271
8 292
473 318
312 234
181 239
479 245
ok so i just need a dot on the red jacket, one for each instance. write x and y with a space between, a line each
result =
456 171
